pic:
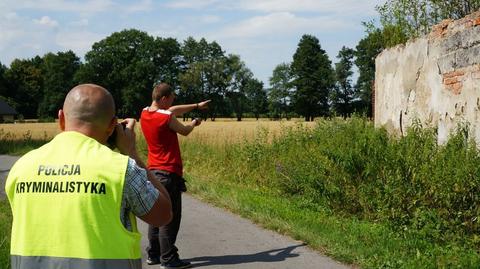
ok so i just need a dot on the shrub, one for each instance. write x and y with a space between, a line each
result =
349 167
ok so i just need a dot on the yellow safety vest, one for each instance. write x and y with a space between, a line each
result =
66 198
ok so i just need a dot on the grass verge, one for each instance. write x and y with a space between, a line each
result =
5 227
12 144
346 239
351 191
344 188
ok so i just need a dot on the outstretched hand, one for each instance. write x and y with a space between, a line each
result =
203 105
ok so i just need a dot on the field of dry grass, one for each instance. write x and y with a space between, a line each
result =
17 131
234 131
224 130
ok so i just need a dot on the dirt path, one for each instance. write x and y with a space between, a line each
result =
214 238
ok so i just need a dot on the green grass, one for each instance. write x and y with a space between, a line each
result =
345 188
12 145
347 239
352 192
5 227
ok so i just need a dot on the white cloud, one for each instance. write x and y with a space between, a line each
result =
79 23
23 38
84 7
144 5
12 29
210 19
278 24
11 16
192 3
47 21
267 40
80 42
361 7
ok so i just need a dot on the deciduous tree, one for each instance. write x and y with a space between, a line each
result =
366 51
279 95
344 93
128 63
404 19
58 71
256 96
25 85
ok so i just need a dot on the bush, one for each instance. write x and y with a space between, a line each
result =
351 168
47 119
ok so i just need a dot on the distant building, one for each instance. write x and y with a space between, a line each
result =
7 113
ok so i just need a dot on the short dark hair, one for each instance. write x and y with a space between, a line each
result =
161 90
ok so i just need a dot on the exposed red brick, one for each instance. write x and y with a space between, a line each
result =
440 29
456 88
476 22
436 34
454 73
448 81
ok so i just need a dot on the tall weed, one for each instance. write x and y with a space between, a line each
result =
350 168
13 145
5 226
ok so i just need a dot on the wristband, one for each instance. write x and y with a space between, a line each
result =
197 105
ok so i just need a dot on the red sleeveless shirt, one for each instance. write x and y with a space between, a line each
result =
163 147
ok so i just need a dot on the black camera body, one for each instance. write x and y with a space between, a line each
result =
111 141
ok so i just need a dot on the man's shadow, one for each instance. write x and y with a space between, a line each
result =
274 255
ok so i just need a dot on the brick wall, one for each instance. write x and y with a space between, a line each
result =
435 79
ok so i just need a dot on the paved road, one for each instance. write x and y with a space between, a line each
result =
213 238
5 163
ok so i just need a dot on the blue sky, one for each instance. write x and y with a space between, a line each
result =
264 33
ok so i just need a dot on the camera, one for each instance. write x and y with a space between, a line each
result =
197 121
111 141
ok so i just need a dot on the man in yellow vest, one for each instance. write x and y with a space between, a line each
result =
74 200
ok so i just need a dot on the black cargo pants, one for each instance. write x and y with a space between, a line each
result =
162 239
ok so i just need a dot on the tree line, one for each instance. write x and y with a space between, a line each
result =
130 62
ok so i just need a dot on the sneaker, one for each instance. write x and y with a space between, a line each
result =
176 264
153 260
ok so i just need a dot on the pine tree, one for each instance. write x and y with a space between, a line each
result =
313 78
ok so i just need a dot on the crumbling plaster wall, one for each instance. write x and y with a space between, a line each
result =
435 79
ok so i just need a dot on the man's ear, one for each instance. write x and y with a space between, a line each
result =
112 125
61 119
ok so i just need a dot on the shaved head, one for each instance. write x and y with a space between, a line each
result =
89 104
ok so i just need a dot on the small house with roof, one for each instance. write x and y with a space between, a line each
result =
7 113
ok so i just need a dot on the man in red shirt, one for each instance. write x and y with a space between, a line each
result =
160 127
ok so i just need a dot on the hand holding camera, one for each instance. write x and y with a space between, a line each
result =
124 137
197 121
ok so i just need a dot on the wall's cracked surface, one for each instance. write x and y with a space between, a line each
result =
435 79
